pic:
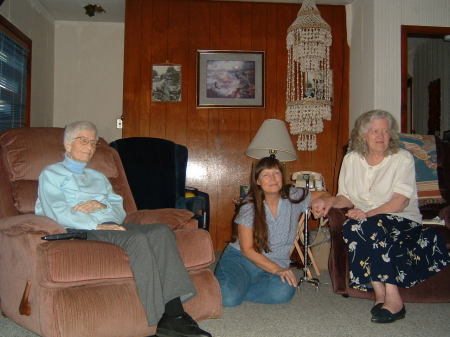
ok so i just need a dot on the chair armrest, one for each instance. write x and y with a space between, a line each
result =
173 217
445 214
337 262
196 248
29 224
336 218
68 263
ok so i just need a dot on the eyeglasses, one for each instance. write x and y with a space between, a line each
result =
86 141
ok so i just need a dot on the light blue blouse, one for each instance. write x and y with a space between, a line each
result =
282 228
65 184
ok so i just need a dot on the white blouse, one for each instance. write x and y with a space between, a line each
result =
368 187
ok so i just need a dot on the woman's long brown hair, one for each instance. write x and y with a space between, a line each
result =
256 196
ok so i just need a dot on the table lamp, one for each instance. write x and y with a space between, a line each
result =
272 138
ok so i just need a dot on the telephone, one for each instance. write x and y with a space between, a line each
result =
314 179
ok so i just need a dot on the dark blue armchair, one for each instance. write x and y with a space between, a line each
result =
156 172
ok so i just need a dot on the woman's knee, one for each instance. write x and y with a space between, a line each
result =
233 281
232 287
271 290
356 230
352 226
231 296
282 294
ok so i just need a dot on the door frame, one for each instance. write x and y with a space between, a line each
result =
413 31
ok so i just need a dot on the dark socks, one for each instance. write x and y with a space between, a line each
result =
174 308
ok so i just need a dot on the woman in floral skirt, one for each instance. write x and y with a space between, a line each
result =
388 246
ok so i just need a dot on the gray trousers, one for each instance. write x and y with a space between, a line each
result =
157 267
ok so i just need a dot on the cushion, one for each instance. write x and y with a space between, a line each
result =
25 195
103 160
42 147
423 149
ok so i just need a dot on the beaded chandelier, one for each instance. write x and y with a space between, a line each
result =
309 78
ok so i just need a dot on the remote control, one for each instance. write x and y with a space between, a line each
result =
66 236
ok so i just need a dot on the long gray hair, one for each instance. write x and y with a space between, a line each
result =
71 130
362 124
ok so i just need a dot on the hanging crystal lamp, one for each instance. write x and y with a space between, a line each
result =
309 77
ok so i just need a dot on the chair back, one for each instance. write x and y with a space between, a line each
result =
25 152
156 170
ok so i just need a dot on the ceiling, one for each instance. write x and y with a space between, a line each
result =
73 10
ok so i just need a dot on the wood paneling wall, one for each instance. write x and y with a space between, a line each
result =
160 31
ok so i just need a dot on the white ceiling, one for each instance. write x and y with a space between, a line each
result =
73 10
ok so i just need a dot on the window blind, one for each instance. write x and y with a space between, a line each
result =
13 83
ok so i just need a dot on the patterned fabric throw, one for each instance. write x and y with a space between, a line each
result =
423 149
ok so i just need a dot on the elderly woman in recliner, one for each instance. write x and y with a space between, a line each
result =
83 199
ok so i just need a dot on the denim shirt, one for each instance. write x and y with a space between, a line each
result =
282 228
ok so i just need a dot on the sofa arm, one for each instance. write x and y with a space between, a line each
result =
173 217
29 224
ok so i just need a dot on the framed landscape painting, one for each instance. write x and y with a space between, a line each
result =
230 79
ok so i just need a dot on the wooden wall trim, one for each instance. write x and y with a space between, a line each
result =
159 31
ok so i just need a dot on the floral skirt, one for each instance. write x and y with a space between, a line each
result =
392 249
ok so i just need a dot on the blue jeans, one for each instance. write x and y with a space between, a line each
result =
241 280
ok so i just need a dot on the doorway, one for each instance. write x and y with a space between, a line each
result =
415 98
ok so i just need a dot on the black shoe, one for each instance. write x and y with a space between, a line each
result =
385 316
375 308
179 326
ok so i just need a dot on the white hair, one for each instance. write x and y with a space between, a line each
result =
71 130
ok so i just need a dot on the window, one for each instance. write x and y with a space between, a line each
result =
15 66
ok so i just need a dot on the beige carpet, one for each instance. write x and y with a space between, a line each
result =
322 313
312 314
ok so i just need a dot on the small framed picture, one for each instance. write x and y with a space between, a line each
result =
230 79
166 83
314 85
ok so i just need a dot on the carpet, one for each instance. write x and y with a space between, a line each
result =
311 313
322 313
